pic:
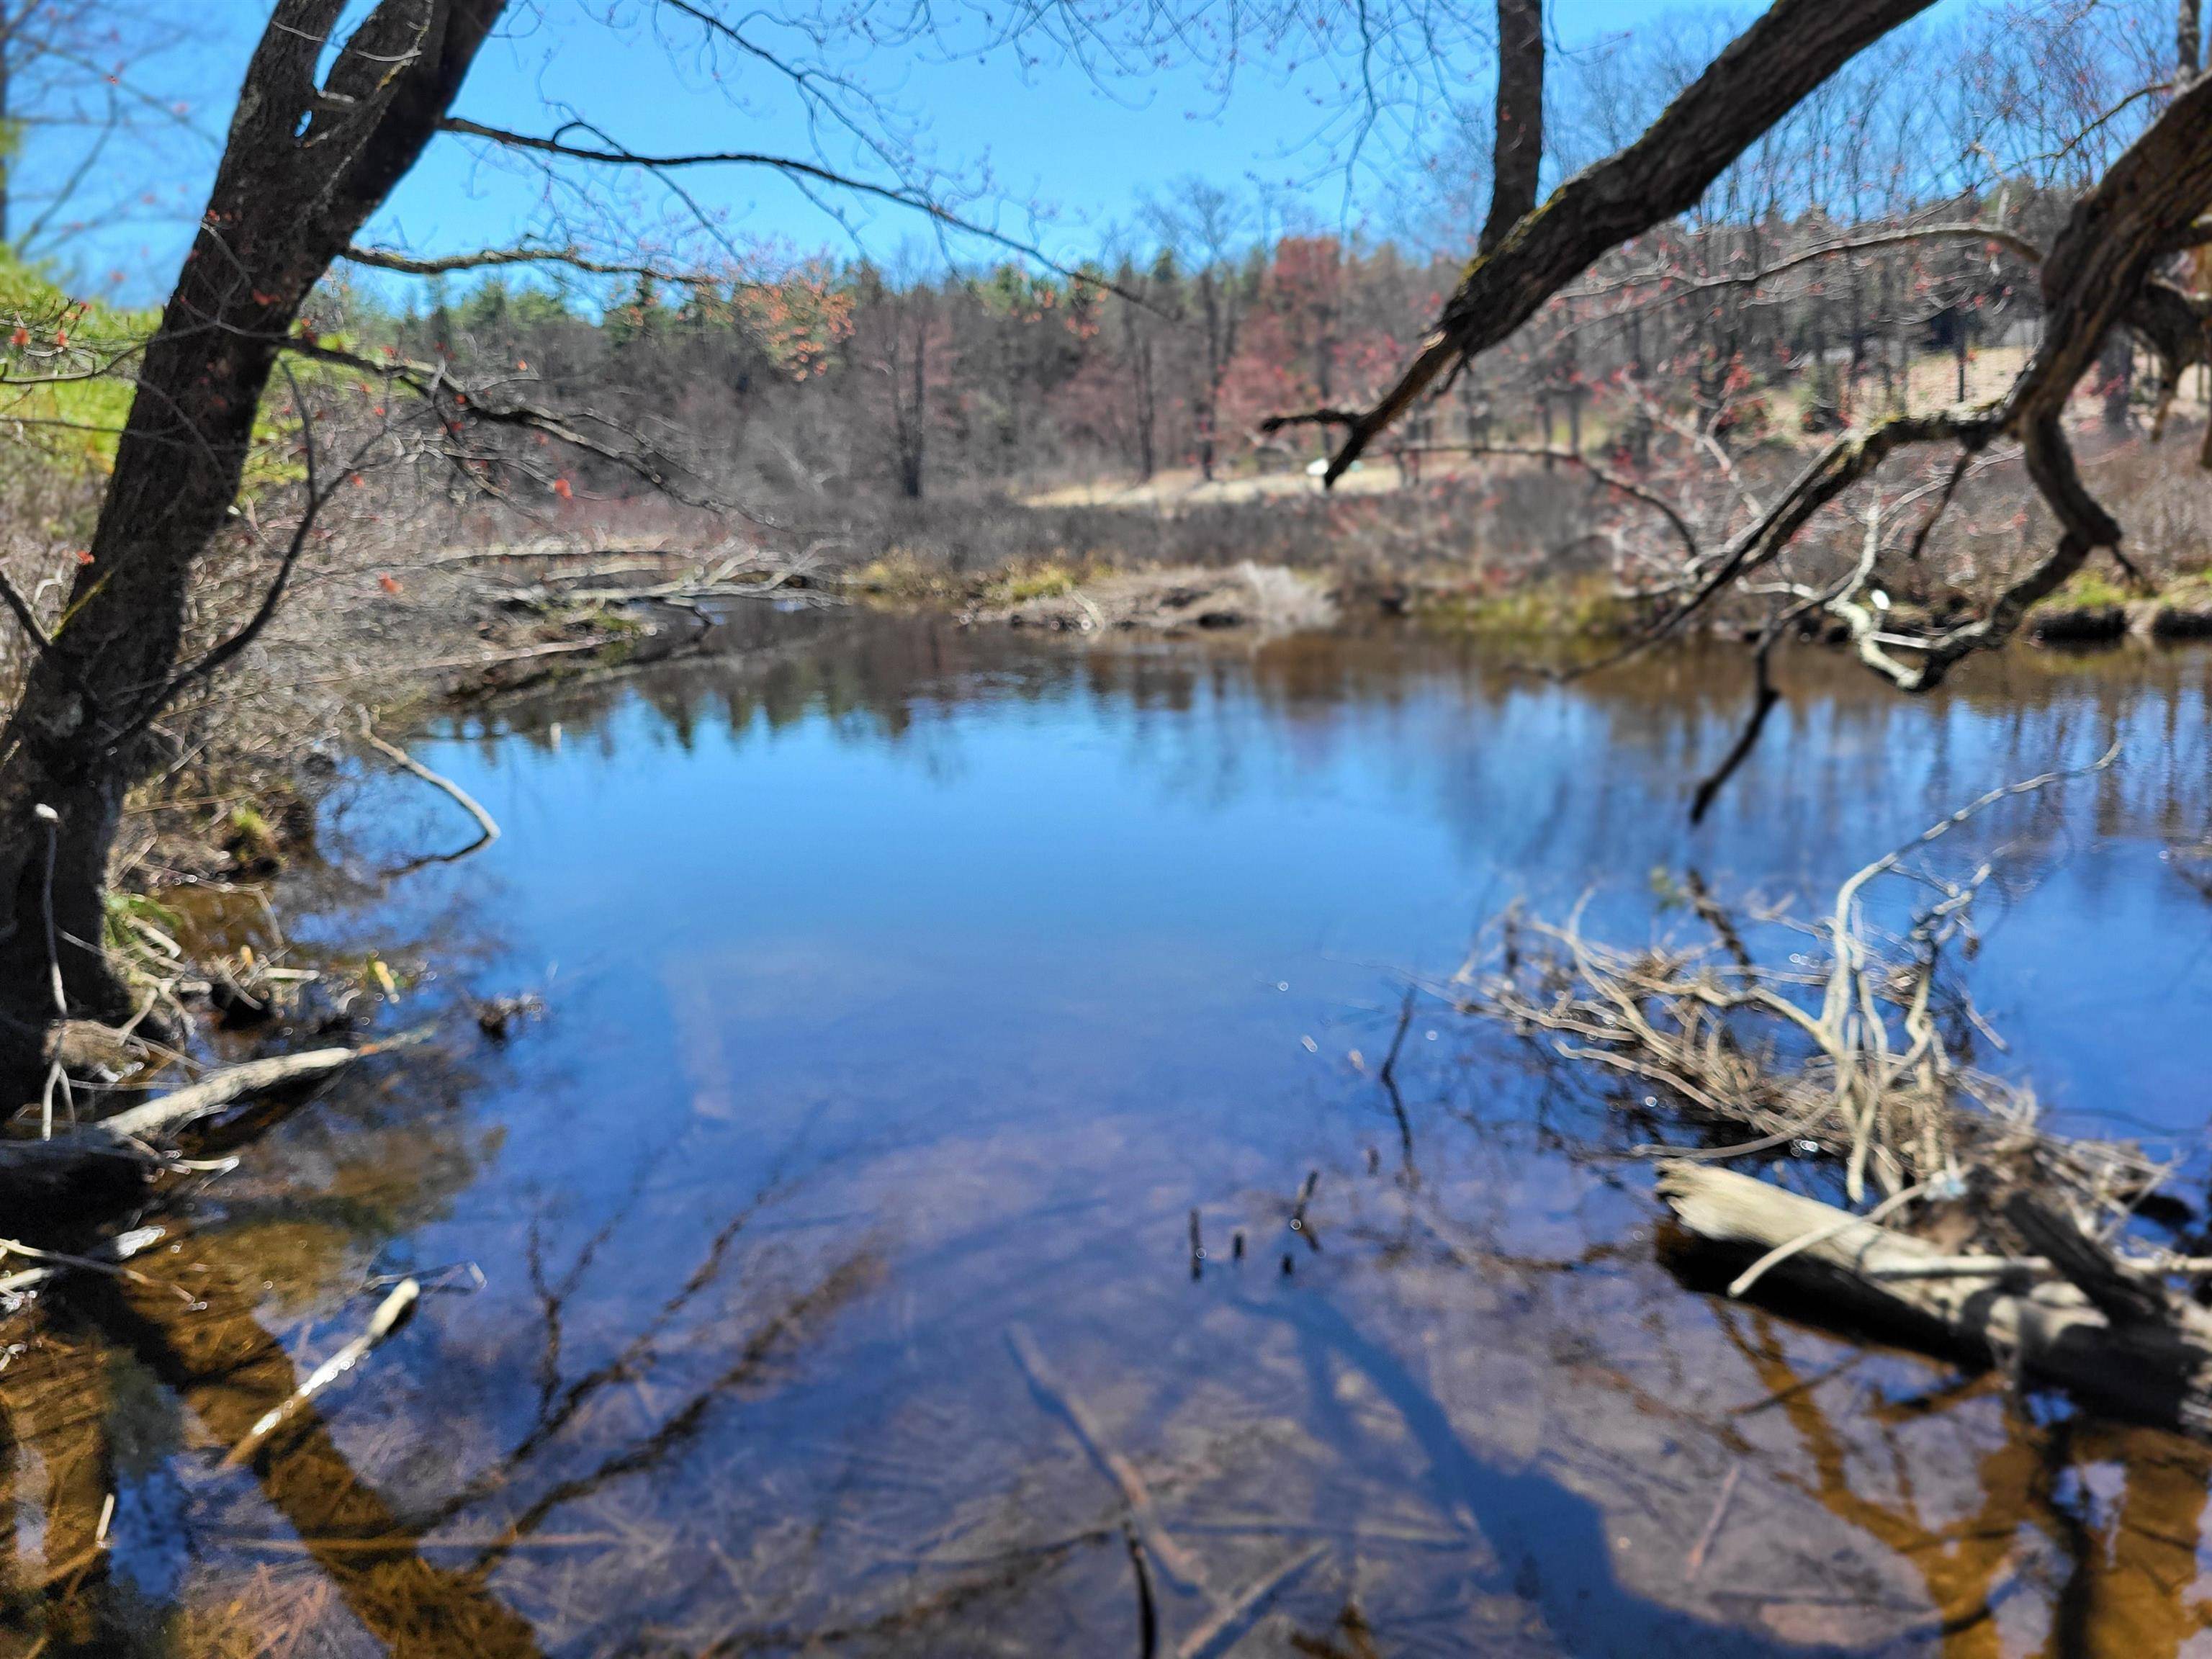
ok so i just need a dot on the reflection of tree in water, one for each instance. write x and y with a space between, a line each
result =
313 1551
458 1570
1472 1424
1492 738
2125 1567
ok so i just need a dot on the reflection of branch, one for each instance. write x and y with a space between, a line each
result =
486 827
1764 697
1959 1562
842 1283
230 1371
1387 1076
635 1357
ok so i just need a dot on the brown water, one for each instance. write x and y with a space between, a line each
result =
907 988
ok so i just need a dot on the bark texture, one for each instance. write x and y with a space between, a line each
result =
1517 154
305 165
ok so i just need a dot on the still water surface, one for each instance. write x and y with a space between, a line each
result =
907 990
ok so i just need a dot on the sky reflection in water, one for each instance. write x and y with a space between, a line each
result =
908 986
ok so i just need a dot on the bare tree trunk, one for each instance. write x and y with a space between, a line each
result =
911 419
1219 348
1517 156
1147 420
1138 343
303 167
2189 43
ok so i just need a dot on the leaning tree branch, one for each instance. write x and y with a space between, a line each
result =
25 616
1795 46
573 259
459 402
1679 286
2099 275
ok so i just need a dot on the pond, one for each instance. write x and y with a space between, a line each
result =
820 1272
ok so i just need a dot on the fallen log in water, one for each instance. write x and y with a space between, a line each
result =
119 1145
173 1110
2143 1351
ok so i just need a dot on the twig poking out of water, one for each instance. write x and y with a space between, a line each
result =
1299 1223
1148 1610
487 826
391 1313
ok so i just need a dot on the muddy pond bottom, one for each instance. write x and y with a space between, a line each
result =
953 1202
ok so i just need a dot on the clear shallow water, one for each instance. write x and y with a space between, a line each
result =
907 989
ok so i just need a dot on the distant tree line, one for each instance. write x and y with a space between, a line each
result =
1891 218
1006 378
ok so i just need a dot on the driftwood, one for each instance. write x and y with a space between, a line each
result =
123 1143
102 1257
487 826
1972 1228
173 1110
2155 1365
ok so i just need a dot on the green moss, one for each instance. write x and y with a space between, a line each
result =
251 840
1047 579
900 578
133 921
1583 608
2192 588
2086 590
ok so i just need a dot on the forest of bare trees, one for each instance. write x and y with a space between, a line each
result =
1874 247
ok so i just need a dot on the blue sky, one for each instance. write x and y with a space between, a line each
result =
1066 155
